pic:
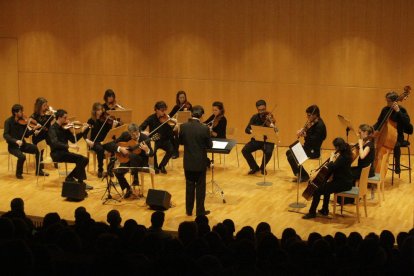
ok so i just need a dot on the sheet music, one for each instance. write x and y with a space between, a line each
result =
299 153
219 144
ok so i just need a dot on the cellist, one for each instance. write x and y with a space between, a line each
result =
400 120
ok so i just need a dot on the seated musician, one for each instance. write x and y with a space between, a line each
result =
44 115
366 151
110 101
261 118
134 160
154 121
16 129
314 134
100 123
181 104
60 133
340 169
217 122
399 116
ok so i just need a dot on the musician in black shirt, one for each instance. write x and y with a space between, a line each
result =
154 121
59 137
15 134
258 120
134 159
340 169
400 116
366 151
217 122
181 104
100 123
314 134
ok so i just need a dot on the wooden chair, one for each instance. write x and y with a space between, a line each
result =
48 160
356 192
90 152
142 171
379 178
231 134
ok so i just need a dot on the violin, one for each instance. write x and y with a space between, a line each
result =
114 106
267 118
186 106
75 125
29 122
307 126
109 119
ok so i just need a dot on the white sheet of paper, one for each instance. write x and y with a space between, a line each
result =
219 144
299 153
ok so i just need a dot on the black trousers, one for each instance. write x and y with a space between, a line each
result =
294 165
100 155
135 160
326 190
21 157
81 162
195 189
253 146
168 147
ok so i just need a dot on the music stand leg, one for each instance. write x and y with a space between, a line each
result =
214 184
264 183
297 204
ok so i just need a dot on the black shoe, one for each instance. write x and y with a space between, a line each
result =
163 170
175 156
309 216
264 172
100 173
205 213
135 182
323 212
70 179
253 171
397 170
189 214
19 176
128 193
157 170
42 173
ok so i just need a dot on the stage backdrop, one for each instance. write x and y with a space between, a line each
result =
342 55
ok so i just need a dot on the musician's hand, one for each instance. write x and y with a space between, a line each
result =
144 147
395 107
115 123
74 146
38 126
19 143
124 150
332 157
173 119
36 132
89 142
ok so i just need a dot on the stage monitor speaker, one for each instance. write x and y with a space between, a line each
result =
73 190
158 199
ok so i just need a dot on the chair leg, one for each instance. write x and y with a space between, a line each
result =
409 163
237 155
365 205
334 204
152 181
342 204
88 155
357 207
379 190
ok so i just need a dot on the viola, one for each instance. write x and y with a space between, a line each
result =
133 147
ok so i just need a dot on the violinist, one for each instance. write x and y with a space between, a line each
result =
259 119
44 115
110 101
314 133
217 122
59 135
400 117
100 123
158 122
339 167
181 104
135 160
15 132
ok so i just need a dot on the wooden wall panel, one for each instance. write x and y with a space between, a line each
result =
342 55
8 77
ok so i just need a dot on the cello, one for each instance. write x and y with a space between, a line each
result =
387 132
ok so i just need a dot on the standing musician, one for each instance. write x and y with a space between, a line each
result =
400 117
196 140
160 120
340 169
100 124
217 122
45 116
314 133
110 101
135 160
181 104
60 133
261 118
16 128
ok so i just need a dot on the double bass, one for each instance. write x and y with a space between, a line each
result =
387 132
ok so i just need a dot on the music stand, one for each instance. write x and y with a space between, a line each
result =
300 157
114 133
109 183
268 136
348 126
183 116
223 146
124 116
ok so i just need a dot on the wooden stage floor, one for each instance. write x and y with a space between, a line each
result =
246 202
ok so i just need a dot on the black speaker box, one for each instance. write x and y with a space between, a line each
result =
73 190
158 199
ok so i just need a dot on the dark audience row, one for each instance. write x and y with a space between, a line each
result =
88 247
